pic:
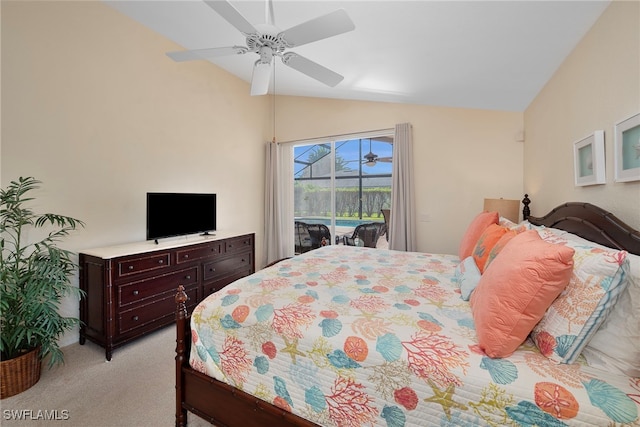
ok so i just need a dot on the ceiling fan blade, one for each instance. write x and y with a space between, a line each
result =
260 78
331 24
385 159
192 55
311 69
232 16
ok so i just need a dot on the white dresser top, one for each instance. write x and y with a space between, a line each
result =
109 252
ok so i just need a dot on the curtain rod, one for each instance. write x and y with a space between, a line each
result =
354 135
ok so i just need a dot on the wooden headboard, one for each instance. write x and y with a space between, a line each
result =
590 222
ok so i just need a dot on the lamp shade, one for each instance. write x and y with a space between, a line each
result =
507 208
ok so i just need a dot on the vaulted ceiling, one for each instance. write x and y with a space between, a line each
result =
476 54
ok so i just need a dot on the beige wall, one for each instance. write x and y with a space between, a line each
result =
94 109
597 86
461 155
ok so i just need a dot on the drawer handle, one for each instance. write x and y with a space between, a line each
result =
188 277
135 318
136 292
160 261
244 260
186 256
230 246
131 267
212 269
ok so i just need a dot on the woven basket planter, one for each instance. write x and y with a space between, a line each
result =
20 373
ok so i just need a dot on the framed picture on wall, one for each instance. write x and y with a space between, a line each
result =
627 149
588 159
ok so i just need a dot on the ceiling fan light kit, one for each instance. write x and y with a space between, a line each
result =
371 159
260 78
268 41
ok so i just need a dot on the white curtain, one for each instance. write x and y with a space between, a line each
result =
278 203
402 234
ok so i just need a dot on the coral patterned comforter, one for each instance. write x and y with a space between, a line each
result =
350 336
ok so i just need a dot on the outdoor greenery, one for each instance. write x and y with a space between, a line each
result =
312 200
34 277
359 192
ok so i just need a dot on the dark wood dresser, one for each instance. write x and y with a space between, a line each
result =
130 289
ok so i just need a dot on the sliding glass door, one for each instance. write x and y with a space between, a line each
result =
342 183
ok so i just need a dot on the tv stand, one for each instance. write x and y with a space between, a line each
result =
130 289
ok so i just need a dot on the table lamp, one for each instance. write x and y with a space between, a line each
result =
507 208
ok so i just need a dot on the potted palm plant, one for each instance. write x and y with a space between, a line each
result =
34 278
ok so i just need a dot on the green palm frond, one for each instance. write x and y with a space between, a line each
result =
34 276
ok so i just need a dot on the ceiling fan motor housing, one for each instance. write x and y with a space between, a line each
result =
266 43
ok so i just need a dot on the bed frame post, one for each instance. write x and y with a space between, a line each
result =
526 212
181 316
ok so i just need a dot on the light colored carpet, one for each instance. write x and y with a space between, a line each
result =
136 388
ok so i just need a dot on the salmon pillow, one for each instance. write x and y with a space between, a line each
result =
487 240
474 231
513 295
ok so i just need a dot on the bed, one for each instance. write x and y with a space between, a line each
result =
353 336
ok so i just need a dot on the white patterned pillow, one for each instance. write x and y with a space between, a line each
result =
467 275
597 281
506 222
616 345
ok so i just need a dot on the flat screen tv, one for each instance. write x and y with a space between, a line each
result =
178 214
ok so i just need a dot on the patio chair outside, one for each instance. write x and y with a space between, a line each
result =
367 233
386 213
310 236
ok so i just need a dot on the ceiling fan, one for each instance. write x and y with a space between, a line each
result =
268 41
370 159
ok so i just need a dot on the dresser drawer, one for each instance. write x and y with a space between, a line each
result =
147 314
129 266
221 267
199 252
140 290
238 244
